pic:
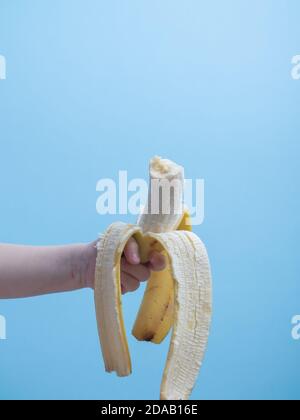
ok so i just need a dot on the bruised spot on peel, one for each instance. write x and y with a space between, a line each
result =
167 305
149 337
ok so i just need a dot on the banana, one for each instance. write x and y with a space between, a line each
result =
180 296
155 317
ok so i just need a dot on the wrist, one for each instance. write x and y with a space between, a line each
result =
90 264
83 264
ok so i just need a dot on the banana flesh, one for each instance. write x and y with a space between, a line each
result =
163 213
178 297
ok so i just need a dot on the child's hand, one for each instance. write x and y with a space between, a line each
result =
132 271
31 271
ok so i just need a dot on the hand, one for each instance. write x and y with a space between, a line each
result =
132 271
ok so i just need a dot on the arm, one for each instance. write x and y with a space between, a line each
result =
30 271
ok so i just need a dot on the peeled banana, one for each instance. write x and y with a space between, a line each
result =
178 297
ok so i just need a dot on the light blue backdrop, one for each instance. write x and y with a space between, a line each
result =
97 86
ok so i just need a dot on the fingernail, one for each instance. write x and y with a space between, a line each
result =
135 259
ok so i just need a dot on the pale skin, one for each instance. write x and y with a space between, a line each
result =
27 271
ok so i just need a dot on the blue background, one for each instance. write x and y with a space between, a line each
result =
97 86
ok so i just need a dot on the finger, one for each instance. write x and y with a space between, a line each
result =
140 272
129 283
157 261
131 252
